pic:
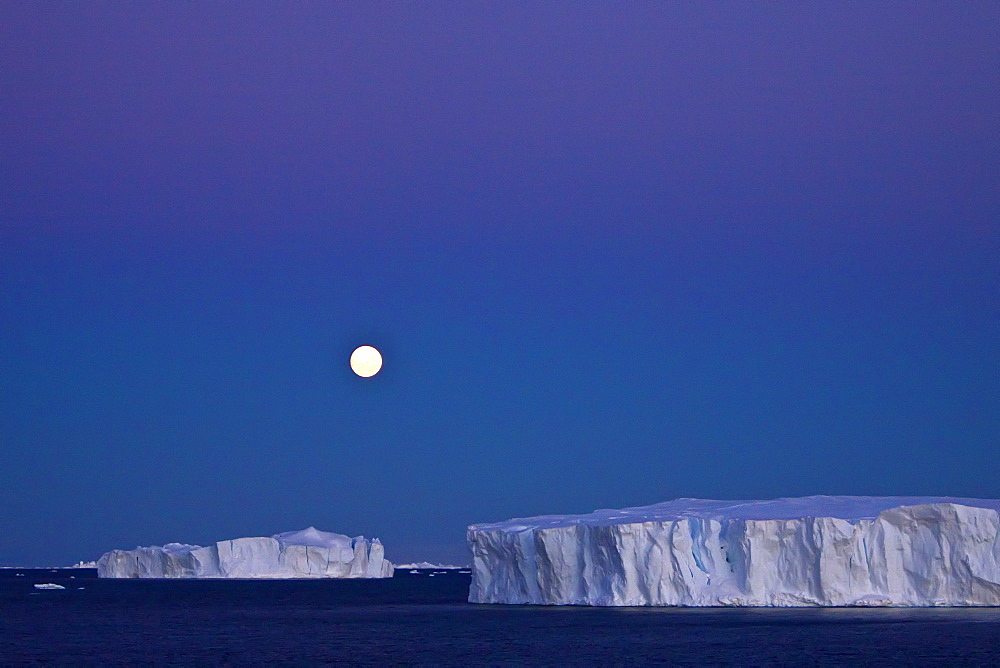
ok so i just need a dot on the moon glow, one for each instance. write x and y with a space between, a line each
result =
366 361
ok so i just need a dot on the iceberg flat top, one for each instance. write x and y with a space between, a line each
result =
313 537
310 537
841 507
179 548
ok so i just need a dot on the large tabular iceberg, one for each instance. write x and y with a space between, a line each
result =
309 553
819 550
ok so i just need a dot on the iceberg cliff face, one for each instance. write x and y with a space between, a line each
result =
309 553
822 551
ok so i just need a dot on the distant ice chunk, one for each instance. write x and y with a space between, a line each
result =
812 551
309 553
49 585
426 565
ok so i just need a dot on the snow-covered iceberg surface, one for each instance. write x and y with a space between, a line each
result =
819 550
309 553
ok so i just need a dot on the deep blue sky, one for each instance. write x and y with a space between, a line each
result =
613 254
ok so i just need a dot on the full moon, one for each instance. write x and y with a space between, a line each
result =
366 361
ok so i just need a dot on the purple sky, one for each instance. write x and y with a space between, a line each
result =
613 254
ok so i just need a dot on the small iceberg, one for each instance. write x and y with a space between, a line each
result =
49 585
426 565
309 553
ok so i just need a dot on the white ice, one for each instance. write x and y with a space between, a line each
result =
820 550
426 565
309 553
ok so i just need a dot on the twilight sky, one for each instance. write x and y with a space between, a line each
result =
612 254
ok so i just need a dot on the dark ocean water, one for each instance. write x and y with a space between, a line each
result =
418 619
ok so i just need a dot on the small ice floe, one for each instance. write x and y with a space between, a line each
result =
49 585
414 571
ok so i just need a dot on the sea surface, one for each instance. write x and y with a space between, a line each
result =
424 618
